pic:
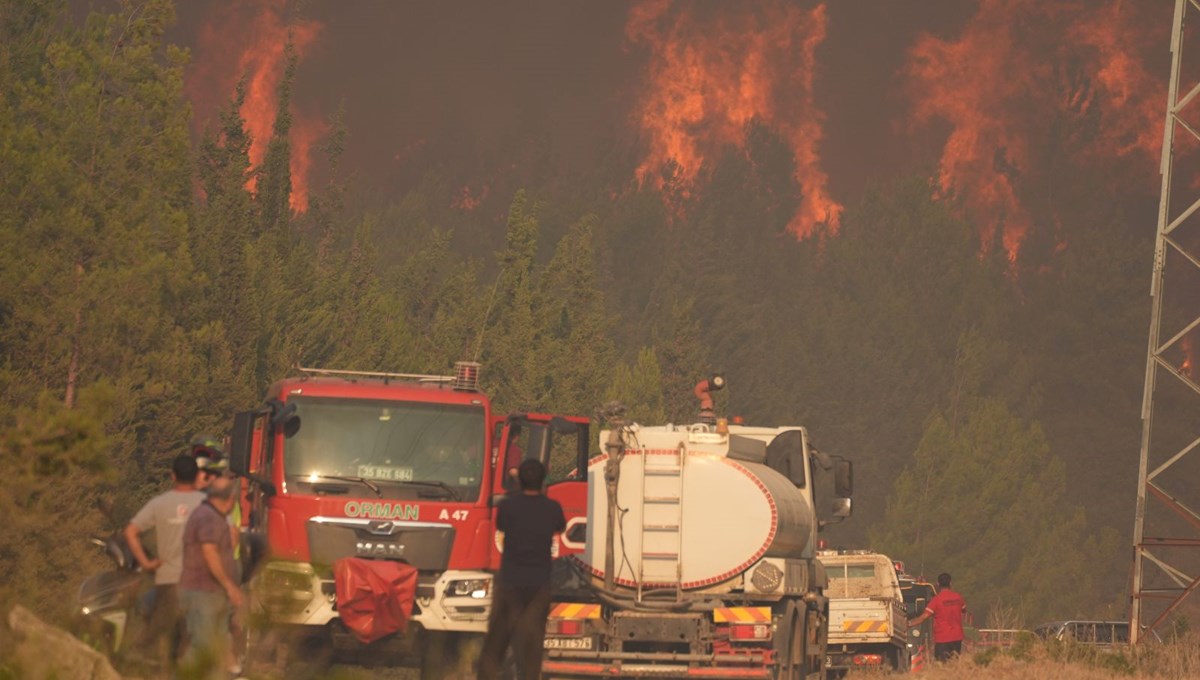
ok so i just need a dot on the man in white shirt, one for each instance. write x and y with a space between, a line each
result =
166 515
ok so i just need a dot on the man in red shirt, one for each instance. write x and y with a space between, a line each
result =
947 609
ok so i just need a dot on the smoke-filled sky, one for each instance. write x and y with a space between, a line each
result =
494 94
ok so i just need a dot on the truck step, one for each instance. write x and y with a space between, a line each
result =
661 499
660 555
663 470
661 527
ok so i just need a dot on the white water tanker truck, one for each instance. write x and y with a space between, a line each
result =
699 559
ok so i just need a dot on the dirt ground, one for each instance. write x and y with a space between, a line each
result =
345 672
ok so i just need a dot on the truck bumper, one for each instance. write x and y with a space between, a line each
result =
863 656
617 665
294 594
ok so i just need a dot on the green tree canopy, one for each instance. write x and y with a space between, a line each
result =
984 499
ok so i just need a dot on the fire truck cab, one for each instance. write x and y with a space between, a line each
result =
385 466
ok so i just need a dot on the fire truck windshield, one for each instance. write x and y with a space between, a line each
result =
424 447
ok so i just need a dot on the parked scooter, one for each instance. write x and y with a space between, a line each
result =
111 600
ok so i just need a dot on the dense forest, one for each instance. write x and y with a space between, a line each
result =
152 283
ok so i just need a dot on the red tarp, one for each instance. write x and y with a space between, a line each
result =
374 597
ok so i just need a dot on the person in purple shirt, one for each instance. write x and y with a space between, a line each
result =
521 591
207 589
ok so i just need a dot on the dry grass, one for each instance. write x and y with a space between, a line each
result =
1053 661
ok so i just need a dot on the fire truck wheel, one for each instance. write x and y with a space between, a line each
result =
469 648
255 645
455 656
309 656
439 657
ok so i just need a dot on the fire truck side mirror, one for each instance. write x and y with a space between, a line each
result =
843 478
841 508
240 442
287 418
560 425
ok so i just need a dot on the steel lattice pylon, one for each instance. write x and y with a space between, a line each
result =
1161 563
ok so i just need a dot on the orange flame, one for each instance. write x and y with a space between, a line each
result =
709 77
1000 86
248 38
1129 99
1188 356
305 134
468 201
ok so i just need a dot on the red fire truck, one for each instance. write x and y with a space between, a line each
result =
387 467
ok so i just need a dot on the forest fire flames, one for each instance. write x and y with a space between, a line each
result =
1188 364
1129 96
713 72
467 200
248 39
1011 78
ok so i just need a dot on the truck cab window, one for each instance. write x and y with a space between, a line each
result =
402 447
853 580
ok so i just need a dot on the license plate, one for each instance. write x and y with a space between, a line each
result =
567 643
386 473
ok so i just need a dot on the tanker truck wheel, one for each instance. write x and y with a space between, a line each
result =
791 645
814 644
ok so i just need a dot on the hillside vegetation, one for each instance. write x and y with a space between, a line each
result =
1178 660
152 283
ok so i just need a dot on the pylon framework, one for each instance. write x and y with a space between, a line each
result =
1161 557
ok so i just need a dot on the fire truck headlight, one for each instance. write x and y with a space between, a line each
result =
477 588
287 587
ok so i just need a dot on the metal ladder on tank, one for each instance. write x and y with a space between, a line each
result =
662 520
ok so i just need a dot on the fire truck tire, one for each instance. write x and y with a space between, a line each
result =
437 654
450 655
254 647
309 656
455 656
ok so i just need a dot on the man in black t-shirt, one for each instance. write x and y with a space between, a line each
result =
521 591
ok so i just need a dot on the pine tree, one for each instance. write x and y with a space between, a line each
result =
684 362
93 217
274 176
94 262
328 205
95 201
984 499
55 460
514 374
223 229
639 388
575 352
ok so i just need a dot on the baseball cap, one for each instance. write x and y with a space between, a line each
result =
213 466
209 453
